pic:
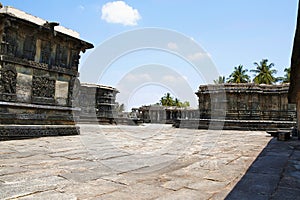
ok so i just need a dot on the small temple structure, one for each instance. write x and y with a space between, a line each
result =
38 70
97 104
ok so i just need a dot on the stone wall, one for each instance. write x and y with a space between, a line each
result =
38 71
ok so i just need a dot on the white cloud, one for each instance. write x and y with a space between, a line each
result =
119 12
198 56
130 78
81 7
169 79
172 46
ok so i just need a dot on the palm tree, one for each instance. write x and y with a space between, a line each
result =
239 75
167 100
220 80
177 102
287 75
264 74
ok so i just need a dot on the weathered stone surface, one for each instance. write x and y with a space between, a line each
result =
61 92
24 85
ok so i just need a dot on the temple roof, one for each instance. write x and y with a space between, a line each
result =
99 86
19 14
36 20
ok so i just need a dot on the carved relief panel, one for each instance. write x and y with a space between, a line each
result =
8 79
43 87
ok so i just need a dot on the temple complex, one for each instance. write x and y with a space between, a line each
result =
38 70
245 106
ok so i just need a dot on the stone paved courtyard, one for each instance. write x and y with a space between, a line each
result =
123 162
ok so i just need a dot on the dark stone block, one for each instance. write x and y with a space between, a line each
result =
284 136
43 100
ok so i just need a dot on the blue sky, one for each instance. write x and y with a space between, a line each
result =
232 32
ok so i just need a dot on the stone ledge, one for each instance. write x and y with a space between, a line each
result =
27 105
233 124
9 132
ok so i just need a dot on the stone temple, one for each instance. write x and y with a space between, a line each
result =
38 70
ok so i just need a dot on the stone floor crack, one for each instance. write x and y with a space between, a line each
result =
32 193
114 181
234 159
214 180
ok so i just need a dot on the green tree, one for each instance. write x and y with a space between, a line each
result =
220 80
287 75
239 75
264 74
186 104
177 102
168 100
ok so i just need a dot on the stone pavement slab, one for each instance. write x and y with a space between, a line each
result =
134 162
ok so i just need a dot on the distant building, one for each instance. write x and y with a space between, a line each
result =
165 114
38 69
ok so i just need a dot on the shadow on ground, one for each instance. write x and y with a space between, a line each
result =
275 174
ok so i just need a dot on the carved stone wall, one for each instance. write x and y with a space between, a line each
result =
246 102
